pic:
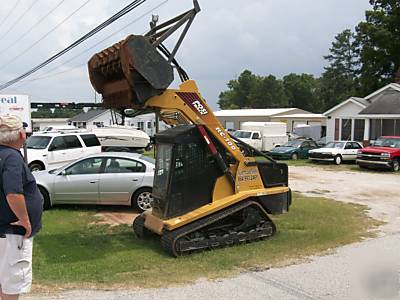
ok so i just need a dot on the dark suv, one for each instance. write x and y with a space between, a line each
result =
384 153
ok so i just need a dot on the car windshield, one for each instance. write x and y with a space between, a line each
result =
242 134
337 145
148 159
293 144
37 142
387 142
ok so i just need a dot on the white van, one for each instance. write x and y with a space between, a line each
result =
262 136
52 150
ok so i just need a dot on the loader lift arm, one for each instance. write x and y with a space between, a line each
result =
207 193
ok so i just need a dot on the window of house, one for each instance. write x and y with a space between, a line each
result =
337 122
229 125
359 130
375 129
397 127
149 125
388 126
346 129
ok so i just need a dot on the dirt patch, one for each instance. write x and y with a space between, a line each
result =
116 217
379 191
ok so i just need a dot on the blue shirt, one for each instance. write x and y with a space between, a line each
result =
16 178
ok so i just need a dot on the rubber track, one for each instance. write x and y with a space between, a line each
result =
169 238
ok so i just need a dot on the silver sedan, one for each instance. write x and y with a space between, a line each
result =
102 179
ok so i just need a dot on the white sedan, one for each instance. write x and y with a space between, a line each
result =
102 179
336 152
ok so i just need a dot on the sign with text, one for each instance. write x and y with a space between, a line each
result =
19 105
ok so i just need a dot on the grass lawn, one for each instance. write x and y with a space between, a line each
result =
72 251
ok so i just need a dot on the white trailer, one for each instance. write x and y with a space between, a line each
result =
262 136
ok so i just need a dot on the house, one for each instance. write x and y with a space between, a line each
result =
146 123
95 118
232 118
365 119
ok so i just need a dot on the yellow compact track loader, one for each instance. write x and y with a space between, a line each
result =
210 190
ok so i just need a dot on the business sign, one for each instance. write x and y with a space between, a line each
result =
19 105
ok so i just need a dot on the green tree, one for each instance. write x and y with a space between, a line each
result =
268 92
301 91
379 41
42 113
339 80
239 90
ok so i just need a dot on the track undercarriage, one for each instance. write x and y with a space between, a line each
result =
244 222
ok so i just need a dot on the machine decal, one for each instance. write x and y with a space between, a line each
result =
194 101
226 139
247 175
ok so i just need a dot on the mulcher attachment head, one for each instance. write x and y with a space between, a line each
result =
130 72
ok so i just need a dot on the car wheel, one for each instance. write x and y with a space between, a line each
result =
395 165
294 156
46 198
338 159
34 167
142 199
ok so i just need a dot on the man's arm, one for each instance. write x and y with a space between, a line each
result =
17 205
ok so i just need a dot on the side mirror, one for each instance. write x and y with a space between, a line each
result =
63 173
51 148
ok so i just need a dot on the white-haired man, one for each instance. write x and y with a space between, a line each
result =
21 206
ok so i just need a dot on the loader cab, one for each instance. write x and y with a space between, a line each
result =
185 172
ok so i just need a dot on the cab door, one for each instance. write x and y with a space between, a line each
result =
256 140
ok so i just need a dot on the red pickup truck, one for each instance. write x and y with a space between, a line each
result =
384 153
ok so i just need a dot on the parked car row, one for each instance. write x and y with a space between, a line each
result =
383 153
78 173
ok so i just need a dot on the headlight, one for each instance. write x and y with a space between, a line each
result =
385 154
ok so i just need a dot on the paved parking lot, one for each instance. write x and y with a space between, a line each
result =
370 269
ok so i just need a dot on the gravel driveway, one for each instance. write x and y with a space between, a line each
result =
370 269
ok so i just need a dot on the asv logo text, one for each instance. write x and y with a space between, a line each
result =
200 108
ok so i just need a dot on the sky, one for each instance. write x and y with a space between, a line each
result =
275 37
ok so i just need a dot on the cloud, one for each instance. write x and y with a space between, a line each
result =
265 36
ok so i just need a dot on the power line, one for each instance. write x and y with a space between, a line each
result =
35 43
100 27
19 19
10 12
32 27
83 52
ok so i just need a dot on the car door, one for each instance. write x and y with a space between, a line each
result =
79 183
311 145
303 149
121 177
256 140
64 149
349 151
